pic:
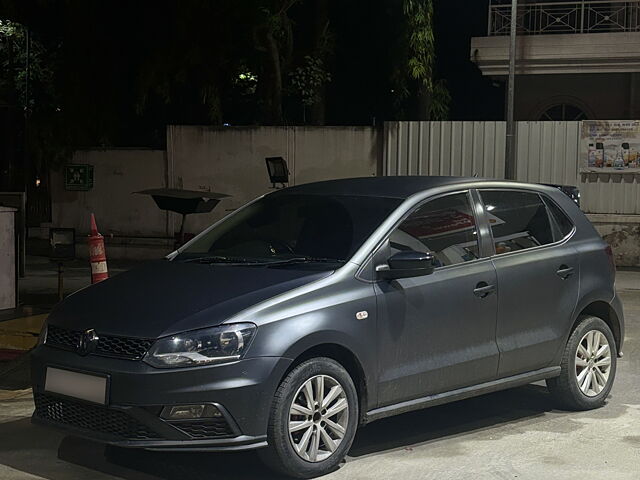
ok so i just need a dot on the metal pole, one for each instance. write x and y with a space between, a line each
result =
490 20
27 71
60 282
510 157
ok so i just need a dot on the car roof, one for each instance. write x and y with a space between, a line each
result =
391 187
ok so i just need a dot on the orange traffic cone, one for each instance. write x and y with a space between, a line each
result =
97 255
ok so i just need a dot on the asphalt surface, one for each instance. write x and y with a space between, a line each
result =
506 435
39 289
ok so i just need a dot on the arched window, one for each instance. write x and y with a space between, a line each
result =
563 112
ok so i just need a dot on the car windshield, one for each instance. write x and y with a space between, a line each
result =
292 228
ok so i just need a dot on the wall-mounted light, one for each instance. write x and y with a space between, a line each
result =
278 170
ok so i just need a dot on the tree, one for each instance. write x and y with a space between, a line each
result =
118 72
308 82
415 74
29 85
323 46
273 34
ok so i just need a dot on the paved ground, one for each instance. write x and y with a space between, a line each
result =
40 286
19 328
505 435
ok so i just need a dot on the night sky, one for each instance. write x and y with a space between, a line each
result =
474 97
359 94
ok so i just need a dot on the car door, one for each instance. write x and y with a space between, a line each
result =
437 332
538 275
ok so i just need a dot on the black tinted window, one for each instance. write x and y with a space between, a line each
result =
519 220
560 222
445 227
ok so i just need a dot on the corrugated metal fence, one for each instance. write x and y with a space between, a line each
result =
445 148
547 152
605 193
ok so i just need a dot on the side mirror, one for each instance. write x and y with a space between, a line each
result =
407 264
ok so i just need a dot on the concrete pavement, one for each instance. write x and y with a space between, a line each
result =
515 434
40 285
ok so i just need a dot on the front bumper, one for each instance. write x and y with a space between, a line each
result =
137 392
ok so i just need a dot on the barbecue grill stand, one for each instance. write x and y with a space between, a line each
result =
184 202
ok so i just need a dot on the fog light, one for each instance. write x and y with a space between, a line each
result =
189 412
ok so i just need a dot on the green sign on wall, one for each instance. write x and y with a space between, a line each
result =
78 177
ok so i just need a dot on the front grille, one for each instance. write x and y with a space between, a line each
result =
133 348
95 418
210 428
61 337
108 346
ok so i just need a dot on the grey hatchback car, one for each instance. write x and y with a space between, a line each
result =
318 308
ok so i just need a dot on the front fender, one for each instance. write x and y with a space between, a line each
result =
290 338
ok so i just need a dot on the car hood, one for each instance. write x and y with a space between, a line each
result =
163 298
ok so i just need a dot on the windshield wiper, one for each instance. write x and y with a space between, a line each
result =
223 259
261 262
305 259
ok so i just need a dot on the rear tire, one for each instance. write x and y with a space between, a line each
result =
306 438
588 366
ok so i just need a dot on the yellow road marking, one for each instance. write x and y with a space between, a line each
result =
21 333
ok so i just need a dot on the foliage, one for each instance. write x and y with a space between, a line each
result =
36 91
440 101
419 15
419 61
186 58
29 83
120 80
246 82
307 79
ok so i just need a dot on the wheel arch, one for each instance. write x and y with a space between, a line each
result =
607 314
345 357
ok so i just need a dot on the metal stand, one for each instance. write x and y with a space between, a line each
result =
60 281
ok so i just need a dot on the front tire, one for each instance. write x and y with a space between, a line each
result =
313 420
588 366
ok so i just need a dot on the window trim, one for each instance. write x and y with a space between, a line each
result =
474 203
542 197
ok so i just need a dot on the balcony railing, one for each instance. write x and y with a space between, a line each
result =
566 17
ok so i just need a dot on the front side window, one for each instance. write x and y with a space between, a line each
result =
444 227
519 220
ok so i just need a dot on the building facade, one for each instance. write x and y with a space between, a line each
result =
574 60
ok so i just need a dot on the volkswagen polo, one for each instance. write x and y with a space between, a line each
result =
318 308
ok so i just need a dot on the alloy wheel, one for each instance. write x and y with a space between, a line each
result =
593 363
318 418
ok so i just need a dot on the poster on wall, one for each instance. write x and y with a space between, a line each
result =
610 146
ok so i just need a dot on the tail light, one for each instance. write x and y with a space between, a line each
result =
612 262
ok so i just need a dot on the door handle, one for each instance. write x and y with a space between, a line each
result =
483 289
564 272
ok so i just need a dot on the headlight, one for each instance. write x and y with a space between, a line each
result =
202 347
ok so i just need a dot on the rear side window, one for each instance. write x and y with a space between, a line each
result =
519 220
560 222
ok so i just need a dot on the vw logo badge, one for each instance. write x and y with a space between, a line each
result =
87 342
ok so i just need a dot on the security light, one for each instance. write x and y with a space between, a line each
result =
278 170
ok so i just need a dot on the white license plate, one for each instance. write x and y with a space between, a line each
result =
78 385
